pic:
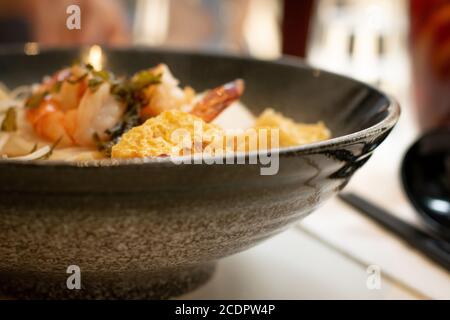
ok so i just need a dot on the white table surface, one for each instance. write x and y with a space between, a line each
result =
294 265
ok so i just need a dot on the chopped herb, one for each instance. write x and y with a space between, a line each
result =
145 78
35 99
102 74
130 119
122 91
103 146
94 83
129 93
99 77
77 80
9 123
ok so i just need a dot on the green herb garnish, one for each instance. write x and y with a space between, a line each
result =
9 123
144 79
77 80
94 83
99 77
130 119
122 91
129 92
103 146
102 74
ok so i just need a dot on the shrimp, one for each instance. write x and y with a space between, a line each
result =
72 89
67 86
217 99
56 96
166 95
51 123
98 111
75 113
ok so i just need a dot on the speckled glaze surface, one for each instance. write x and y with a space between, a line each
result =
156 229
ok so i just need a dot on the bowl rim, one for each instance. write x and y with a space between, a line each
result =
387 123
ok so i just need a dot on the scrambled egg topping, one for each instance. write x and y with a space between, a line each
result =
292 133
171 133
177 133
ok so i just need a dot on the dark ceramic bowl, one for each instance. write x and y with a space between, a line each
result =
156 229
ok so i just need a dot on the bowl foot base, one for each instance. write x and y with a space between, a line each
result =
139 285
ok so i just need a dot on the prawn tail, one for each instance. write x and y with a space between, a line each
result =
218 99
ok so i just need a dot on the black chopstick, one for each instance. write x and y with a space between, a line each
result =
436 249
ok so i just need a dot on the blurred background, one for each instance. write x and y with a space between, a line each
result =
401 46
366 39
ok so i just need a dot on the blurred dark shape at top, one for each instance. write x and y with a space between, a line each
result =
295 26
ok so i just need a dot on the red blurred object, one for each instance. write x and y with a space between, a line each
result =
296 20
430 52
